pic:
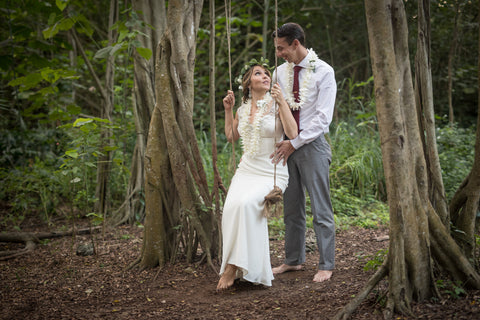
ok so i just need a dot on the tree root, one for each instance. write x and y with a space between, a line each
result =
348 310
31 239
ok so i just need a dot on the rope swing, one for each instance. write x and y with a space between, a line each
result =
276 195
228 16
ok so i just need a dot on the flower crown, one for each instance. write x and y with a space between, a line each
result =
253 62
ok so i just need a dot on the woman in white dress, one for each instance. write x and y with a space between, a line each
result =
246 250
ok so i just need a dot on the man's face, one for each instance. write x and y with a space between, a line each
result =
286 51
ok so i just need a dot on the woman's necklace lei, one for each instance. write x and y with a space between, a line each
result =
251 131
312 60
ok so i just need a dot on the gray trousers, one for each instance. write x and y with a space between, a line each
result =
308 168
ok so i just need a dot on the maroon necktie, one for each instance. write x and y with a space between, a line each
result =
296 95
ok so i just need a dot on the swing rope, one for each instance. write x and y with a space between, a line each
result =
228 16
276 195
276 106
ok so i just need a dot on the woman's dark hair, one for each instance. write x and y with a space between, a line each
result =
246 81
290 31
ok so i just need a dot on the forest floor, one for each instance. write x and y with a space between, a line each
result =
53 282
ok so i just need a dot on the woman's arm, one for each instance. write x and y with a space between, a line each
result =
231 124
289 124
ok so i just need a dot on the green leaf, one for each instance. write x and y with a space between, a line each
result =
48 90
366 115
50 32
51 18
66 24
61 4
88 127
144 52
101 120
103 53
110 148
49 75
72 153
81 121
122 34
74 109
84 25
26 82
116 48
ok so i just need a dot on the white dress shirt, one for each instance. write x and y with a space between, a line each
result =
316 112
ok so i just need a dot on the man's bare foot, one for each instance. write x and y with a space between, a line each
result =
228 278
322 275
285 267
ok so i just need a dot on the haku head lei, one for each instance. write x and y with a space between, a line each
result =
241 79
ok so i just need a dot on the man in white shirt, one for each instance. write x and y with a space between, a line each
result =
309 86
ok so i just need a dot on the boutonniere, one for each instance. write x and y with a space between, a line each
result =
312 64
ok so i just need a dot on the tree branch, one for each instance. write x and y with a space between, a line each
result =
348 310
31 239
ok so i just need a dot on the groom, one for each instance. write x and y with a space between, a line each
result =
310 88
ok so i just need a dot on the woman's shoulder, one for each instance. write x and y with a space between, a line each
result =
242 106
241 109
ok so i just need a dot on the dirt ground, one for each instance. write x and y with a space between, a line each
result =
55 283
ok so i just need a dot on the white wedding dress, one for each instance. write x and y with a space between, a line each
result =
245 229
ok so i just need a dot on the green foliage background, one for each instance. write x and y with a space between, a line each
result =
50 107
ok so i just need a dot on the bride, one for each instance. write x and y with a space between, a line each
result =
246 250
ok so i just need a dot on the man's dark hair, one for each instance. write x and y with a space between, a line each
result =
290 31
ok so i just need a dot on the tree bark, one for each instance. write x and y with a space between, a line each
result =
102 191
465 203
179 213
451 56
152 13
410 273
426 113
417 235
217 182
265 29
32 238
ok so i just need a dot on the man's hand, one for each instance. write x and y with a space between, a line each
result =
283 150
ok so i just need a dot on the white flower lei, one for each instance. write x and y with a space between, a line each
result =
251 131
312 60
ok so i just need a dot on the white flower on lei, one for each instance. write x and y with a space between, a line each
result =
250 132
312 60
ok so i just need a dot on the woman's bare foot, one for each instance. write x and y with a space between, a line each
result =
322 275
228 278
285 267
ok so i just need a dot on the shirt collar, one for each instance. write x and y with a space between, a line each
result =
304 61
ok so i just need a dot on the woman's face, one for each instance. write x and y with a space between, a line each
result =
260 79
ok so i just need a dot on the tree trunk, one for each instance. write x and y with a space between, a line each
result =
152 13
410 273
451 56
265 29
465 203
426 113
417 234
179 214
102 192
217 182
